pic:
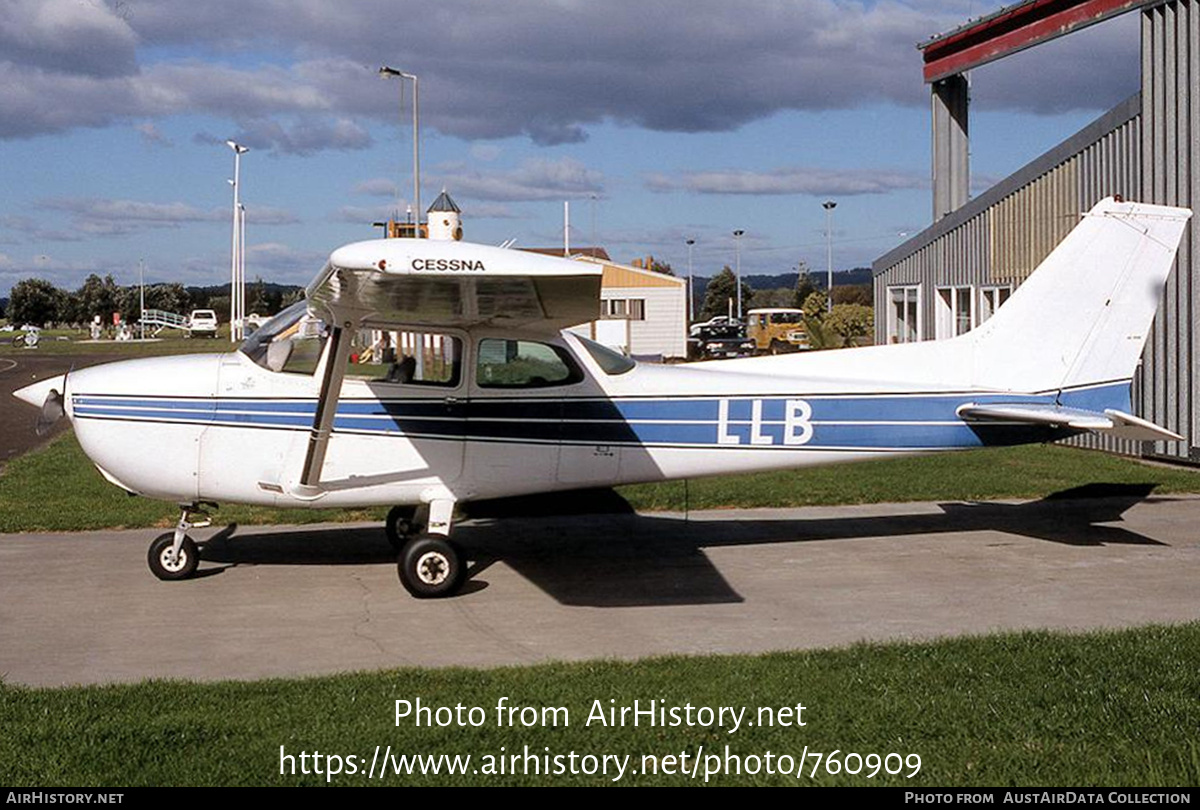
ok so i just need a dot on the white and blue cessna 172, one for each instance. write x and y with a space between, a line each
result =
511 405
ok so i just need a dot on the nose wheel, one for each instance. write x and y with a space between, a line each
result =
174 555
170 564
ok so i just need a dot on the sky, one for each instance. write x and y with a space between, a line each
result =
658 120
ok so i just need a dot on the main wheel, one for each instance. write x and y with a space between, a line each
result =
431 566
400 525
160 562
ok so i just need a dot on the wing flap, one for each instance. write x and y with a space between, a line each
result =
1110 422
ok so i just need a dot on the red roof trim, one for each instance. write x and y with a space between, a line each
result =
1014 29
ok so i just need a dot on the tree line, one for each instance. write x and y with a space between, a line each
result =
39 302
848 321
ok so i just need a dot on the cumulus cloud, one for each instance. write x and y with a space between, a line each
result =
151 135
364 214
303 137
92 216
81 37
491 70
534 180
376 187
793 180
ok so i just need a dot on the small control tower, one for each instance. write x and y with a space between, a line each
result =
445 219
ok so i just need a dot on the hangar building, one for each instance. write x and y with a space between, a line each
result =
952 276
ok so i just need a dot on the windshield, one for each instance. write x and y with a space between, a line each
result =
274 345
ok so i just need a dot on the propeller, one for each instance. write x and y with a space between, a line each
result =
52 411
53 407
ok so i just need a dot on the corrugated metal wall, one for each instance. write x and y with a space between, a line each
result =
1145 149
1170 169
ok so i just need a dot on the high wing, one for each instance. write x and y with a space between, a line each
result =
422 282
1115 423
419 282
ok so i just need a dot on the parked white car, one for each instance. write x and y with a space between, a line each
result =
202 323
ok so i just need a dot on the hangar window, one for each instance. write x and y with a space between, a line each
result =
523 364
990 299
904 313
955 311
632 309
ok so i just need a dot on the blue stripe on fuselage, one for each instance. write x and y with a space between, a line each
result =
915 421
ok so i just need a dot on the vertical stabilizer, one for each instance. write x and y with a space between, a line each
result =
1084 314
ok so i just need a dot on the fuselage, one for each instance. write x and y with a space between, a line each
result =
223 427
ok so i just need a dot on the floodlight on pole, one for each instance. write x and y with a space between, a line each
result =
737 242
386 72
234 261
829 205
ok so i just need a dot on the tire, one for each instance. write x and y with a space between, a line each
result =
778 347
185 566
400 525
431 567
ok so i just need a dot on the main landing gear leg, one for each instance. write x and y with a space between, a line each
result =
430 564
174 555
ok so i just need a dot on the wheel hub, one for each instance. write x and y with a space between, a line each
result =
433 568
173 562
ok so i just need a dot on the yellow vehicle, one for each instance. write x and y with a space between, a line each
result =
777 330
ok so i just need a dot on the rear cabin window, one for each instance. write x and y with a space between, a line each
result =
523 364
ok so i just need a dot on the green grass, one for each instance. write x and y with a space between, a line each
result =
57 489
172 342
1029 471
1037 708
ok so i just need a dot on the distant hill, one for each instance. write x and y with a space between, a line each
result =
859 275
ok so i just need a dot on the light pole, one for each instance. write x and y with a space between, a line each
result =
737 252
829 205
386 72
241 270
142 297
594 243
235 314
691 296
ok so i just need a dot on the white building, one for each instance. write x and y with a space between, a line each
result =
644 312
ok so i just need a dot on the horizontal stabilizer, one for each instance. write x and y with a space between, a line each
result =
1114 423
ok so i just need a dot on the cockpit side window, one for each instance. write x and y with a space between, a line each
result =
407 358
523 364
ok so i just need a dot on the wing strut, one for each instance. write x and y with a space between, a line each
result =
327 401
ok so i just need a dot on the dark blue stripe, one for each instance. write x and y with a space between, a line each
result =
631 421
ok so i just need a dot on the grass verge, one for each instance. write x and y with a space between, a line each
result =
57 489
1035 708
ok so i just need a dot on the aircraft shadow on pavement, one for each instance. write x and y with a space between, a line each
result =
592 549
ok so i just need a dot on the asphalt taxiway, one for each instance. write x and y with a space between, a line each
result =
284 601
